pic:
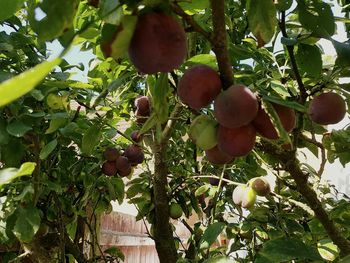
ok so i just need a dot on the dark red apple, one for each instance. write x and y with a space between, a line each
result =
264 126
109 168
111 154
136 136
235 107
134 154
199 86
142 104
236 142
215 156
327 108
158 44
123 166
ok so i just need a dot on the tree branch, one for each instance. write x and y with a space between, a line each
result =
190 20
290 49
291 165
219 42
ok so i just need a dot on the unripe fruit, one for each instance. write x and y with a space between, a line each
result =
203 132
238 194
175 211
248 197
134 154
123 166
142 104
199 86
136 136
158 44
236 142
235 107
264 126
260 185
109 168
327 108
111 154
215 156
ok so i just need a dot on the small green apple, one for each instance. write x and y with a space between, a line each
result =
248 197
203 131
175 211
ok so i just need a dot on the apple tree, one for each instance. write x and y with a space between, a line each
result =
188 110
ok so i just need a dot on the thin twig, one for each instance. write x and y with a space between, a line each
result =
290 49
190 20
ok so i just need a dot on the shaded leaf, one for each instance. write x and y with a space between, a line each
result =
211 234
317 17
9 8
27 223
90 139
18 128
285 249
262 19
47 149
309 60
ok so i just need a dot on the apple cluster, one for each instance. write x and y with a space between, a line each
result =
122 164
245 195
239 117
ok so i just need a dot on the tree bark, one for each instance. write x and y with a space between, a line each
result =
291 164
163 233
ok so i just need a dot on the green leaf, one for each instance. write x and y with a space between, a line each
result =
211 234
203 59
110 11
55 124
343 53
309 59
159 93
18 86
9 174
115 251
27 223
58 18
47 149
194 6
289 104
90 139
285 249
122 37
262 19
202 189
327 249
150 123
18 128
222 259
317 17
9 8
4 136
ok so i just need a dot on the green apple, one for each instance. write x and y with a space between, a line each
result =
203 131
175 211
248 197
